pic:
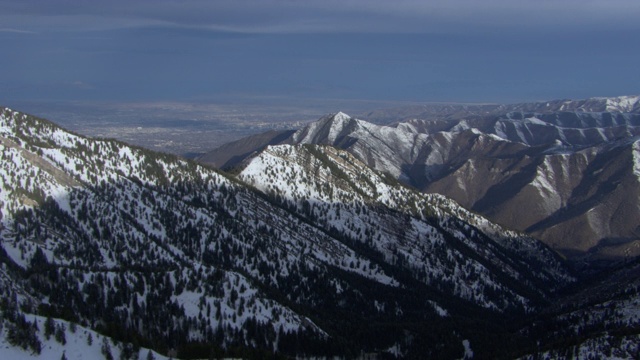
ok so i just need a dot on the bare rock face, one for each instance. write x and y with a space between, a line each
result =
564 171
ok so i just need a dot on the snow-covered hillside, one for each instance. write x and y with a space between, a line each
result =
138 223
307 252
432 227
541 168
69 341
151 249
541 159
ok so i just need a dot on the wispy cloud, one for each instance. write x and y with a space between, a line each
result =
285 16
488 50
78 84
16 31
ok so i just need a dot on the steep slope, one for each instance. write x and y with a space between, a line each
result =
429 225
581 202
599 319
442 245
119 234
155 251
568 178
574 174
59 339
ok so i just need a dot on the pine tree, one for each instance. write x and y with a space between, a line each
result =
60 334
106 349
23 333
49 327
128 351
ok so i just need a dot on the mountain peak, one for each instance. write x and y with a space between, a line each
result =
340 116
337 117
623 103
447 153
618 104
327 130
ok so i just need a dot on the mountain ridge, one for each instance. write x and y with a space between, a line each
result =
304 252
455 111
126 234
522 158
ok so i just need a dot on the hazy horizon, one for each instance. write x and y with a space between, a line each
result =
415 51
242 67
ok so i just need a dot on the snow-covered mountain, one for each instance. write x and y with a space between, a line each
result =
619 104
307 252
565 173
454 112
58 339
112 249
333 188
105 234
600 319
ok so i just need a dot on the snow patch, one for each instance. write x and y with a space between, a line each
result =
468 353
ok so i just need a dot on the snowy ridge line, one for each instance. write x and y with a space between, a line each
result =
319 248
505 147
294 175
130 167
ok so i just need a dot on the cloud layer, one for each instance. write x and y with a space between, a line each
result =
455 50
288 16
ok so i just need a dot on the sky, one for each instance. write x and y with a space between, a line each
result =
406 50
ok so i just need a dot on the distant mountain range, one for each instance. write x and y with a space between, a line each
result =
304 250
563 171
454 111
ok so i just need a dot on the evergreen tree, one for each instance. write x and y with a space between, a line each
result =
39 261
60 334
128 352
23 333
106 349
49 327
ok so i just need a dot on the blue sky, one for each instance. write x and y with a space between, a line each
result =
455 51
